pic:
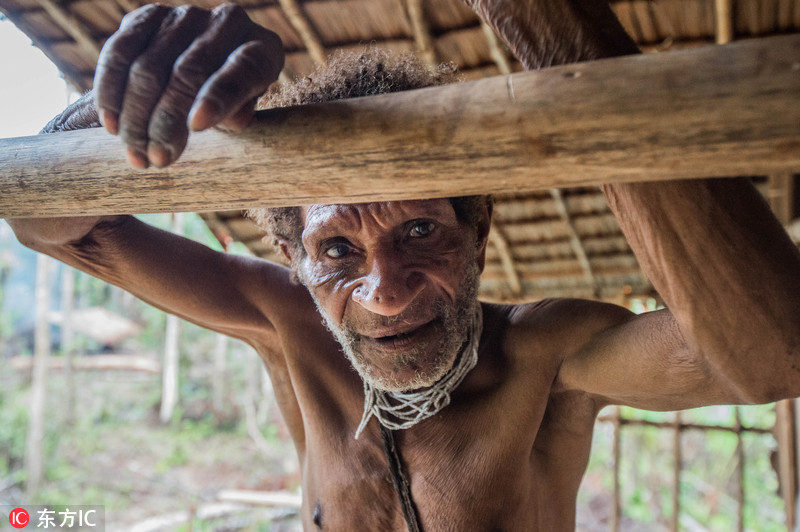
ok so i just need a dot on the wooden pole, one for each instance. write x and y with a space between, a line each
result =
68 340
723 11
169 376
677 453
34 449
717 111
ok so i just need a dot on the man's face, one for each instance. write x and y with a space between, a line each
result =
396 283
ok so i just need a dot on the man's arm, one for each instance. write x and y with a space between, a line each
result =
160 65
726 269
227 293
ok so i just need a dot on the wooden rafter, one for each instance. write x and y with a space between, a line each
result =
301 24
504 252
574 238
73 27
553 133
73 76
496 51
780 196
422 32
723 12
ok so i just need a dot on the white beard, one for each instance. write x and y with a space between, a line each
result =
456 321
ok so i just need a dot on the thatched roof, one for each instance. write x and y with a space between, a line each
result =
551 243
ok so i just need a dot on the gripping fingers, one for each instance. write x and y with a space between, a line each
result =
151 71
165 64
118 53
246 74
227 29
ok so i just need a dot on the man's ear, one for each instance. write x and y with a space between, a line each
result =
484 226
285 249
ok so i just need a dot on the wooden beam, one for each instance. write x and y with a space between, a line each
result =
719 111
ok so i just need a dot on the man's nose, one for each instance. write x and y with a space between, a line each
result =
389 286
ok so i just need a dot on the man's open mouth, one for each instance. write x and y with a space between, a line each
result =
405 338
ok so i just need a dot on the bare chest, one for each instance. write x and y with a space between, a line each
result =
470 487
514 472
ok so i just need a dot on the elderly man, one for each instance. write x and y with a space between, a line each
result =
460 415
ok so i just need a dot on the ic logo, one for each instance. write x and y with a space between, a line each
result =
18 518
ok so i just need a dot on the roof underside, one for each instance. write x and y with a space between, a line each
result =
552 243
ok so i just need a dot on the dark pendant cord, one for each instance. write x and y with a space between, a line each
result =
401 484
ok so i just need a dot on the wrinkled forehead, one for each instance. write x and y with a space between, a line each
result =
384 214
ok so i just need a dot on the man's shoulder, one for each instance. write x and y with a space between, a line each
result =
560 322
569 312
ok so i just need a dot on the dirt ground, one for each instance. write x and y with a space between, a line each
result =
154 477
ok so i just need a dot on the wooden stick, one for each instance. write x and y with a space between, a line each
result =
682 425
94 363
261 498
677 453
719 111
422 32
574 238
496 49
506 260
723 10
301 24
787 467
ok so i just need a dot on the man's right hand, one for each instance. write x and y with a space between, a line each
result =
171 69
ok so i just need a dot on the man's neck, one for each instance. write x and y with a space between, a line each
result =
402 410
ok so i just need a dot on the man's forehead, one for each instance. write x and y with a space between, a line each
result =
388 212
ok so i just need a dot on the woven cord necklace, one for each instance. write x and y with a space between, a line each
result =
401 410
408 409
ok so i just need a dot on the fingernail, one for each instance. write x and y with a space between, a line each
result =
110 121
137 159
158 154
203 116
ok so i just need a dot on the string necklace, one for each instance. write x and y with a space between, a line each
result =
401 410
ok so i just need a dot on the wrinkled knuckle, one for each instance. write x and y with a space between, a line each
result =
229 11
188 76
185 10
257 57
144 78
166 127
111 63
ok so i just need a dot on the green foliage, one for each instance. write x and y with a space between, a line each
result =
177 457
709 473
13 429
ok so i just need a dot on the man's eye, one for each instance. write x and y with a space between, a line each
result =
422 229
337 251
